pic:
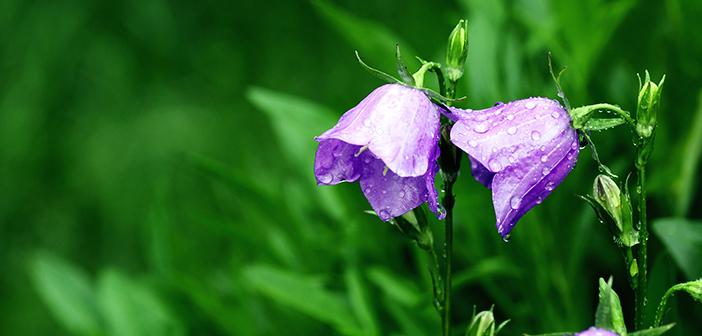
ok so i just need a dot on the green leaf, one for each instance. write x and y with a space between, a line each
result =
653 331
372 40
67 292
131 309
305 294
609 311
683 183
683 238
600 124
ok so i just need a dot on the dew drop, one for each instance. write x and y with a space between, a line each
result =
367 190
514 202
401 194
495 165
535 135
549 186
530 105
325 178
481 128
499 111
473 143
512 130
555 114
539 200
510 117
406 157
384 214
544 158
545 171
512 159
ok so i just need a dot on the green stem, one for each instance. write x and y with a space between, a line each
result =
448 203
641 290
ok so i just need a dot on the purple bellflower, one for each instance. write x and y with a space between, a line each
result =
520 150
389 143
592 331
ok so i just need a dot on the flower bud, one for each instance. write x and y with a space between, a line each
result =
647 106
482 324
607 193
457 51
617 206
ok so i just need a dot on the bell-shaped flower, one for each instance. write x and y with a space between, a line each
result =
389 143
520 150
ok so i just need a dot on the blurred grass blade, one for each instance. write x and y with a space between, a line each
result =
684 184
397 290
361 306
131 309
609 311
303 293
483 269
374 41
683 239
68 293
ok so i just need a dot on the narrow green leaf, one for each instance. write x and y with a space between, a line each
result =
361 306
68 293
683 238
653 331
305 294
691 152
609 311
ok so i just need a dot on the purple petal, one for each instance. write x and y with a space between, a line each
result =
336 162
528 144
398 124
391 195
592 331
480 173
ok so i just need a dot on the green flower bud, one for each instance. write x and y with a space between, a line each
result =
457 51
483 324
607 193
647 106
617 206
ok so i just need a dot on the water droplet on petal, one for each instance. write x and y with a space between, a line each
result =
545 171
481 128
384 214
498 104
495 165
512 159
514 202
326 178
535 135
473 143
549 186
367 190
539 200
401 194
555 114
499 111
510 117
512 130
530 105
544 158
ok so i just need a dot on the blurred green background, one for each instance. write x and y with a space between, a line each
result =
156 165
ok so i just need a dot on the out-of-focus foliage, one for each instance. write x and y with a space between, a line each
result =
156 165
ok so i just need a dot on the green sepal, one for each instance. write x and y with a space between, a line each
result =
402 68
609 310
382 75
601 124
